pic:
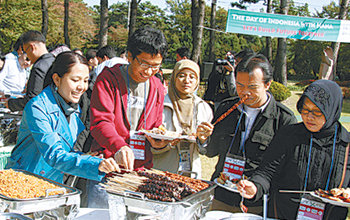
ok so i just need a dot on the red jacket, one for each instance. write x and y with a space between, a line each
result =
109 124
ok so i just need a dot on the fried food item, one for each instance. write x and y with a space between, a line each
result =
335 194
337 191
346 193
18 185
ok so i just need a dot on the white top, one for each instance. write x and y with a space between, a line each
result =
12 76
109 63
251 114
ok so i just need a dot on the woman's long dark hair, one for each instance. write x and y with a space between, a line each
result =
62 65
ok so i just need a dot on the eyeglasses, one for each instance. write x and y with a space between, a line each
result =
315 113
147 66
25 50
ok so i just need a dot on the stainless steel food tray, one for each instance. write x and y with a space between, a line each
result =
23 206
15 216
131 205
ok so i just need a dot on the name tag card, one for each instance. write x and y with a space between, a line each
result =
138 145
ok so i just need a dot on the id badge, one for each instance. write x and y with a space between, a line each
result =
234 166
310 209
138 145
185 158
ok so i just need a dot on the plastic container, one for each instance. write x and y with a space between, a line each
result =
5 152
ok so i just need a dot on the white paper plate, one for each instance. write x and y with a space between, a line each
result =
337 203
167 137
233 189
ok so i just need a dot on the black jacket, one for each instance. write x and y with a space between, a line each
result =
284 167
264 128
35 83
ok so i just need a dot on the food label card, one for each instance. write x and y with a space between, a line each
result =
310 210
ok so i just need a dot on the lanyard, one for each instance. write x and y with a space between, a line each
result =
145 99
241 148
236 129
331 167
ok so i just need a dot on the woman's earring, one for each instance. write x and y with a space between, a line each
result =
56 88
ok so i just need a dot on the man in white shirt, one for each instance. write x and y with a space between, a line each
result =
106 57
14 74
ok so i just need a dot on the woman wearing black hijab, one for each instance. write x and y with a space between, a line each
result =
306 156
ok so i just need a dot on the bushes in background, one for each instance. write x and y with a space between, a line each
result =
279 91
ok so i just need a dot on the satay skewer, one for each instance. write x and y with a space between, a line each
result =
244 98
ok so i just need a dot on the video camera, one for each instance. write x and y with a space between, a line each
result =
230 59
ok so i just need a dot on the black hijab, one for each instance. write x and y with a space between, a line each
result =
328 97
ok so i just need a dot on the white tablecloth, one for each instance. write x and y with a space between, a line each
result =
92 214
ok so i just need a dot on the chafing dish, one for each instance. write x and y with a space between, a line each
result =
15 216
62 206
132 205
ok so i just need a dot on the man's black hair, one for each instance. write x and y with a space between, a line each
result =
32 35
183 52
250 63
17 44
107 51
90 54
147 40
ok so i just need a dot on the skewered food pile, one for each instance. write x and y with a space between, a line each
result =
156 185
336 194
18 185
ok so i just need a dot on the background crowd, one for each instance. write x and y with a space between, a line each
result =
82 117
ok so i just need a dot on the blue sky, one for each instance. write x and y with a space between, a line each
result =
313 4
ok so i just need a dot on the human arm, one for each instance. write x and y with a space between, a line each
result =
106 111
53 140
34 86
247 189
204 130
278 154
230 82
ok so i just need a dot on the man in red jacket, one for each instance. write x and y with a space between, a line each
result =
126 99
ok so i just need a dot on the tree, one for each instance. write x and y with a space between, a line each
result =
45 17
133 14
66 22
268 47
23 15
212 32
197 15
336 45
280 72
103 23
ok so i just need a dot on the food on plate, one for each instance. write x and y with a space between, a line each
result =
17 185
335 194
163 131
224 179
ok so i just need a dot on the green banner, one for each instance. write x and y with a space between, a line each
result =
287 26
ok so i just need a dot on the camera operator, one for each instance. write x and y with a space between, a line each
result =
221 81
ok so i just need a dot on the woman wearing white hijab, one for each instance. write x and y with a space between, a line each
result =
183 112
